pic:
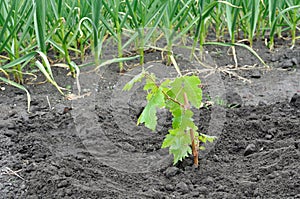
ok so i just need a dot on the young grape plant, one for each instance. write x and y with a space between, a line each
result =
178 96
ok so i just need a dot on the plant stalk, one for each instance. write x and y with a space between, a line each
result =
141 47
119 40
194 148
195 145
169 52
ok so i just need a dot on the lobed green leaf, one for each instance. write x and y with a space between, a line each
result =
134 80
148 115
206 138
190 86
183 120
178 142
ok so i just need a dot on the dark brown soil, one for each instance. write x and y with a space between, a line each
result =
95 149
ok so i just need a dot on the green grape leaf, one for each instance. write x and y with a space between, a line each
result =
175 109
134 80
190 86
179 143
150 85
171 105
177 116
165 85
184 120
148 116
206 138
150 82
202 148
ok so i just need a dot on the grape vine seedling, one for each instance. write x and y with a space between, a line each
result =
178 96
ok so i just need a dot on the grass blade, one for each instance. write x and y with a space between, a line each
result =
39 23
241 45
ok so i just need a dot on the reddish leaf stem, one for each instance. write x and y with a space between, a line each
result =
192 134
194 148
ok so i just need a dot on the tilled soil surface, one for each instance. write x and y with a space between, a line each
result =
90 147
